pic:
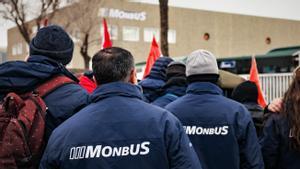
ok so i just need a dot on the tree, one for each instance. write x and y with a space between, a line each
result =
19 11
83 19
164 26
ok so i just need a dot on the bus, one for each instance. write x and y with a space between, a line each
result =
278 60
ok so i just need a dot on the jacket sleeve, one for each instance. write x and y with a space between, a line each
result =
270 144
250 152
181 154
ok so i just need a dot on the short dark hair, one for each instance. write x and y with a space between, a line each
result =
112 65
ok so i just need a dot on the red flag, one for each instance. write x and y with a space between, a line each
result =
106 42
254 78
153 55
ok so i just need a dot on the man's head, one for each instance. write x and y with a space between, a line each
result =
53 42
112 65
201 65
245 92
158 70
176 69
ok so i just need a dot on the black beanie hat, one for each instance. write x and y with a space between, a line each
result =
175 68
245 92
53 42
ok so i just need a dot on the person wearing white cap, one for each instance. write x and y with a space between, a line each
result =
220 129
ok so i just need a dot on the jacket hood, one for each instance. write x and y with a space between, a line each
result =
158 70
116 89
20 76
151 83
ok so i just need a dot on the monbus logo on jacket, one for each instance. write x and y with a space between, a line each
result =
99 151
197 130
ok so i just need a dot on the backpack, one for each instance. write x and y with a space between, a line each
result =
22 125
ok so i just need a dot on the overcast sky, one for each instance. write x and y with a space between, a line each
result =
285 9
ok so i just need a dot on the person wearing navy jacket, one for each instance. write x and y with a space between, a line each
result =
118 129
281 135
220 129
156 79
175 86
50 50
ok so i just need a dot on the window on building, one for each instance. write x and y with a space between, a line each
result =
64 3
172 36
268 40
131 33
113 31
206 36
149 33
17 49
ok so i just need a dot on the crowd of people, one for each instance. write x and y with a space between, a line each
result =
175 118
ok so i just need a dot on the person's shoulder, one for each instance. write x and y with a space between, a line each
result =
151 83
180 101
73 88
277 118
156 112
74 122
150 108
72 95
230 103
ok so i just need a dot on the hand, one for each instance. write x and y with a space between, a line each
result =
275 105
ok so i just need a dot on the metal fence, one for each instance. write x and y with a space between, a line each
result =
273 85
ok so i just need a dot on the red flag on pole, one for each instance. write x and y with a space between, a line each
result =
152 57
254 78
106 42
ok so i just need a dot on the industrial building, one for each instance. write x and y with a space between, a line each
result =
133 24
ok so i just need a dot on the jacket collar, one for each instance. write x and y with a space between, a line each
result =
47 63
177 90
204 88
116 89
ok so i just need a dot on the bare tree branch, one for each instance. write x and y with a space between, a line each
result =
83 16
15 10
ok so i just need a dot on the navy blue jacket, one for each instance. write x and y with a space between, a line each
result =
156 79
151 88
221 130
118 130
174 88
170 94
276 146
19 76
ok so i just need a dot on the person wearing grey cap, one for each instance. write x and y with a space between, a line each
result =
153 82
220 129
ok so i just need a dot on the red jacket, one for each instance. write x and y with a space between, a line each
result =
87 84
